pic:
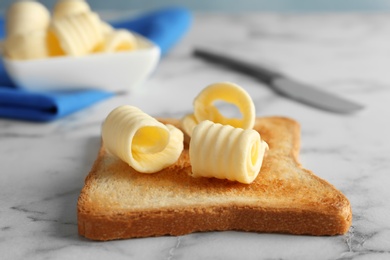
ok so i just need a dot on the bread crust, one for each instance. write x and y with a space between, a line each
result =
285 198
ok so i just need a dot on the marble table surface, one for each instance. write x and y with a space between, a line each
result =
43 165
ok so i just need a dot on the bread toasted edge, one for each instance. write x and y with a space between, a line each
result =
175 222
181 222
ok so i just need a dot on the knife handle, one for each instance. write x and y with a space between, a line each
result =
259 72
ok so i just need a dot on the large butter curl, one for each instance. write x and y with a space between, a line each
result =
226 152
73 7
77 34
26 26
140 140
25 17
205 108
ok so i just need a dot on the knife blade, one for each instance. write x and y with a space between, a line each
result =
284 85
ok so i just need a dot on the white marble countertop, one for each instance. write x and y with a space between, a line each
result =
43 166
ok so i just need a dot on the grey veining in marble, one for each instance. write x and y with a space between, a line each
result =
43 166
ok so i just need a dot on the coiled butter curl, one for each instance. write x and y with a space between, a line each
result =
226 152
140 140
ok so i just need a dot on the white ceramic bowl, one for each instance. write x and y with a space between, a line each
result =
119 71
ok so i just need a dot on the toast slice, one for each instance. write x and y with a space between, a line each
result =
117 202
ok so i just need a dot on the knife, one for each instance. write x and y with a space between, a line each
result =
284 85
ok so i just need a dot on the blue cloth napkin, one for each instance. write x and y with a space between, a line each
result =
164 27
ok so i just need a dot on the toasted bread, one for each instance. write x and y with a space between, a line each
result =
117 202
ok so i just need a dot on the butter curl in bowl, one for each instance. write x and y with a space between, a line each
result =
73 48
